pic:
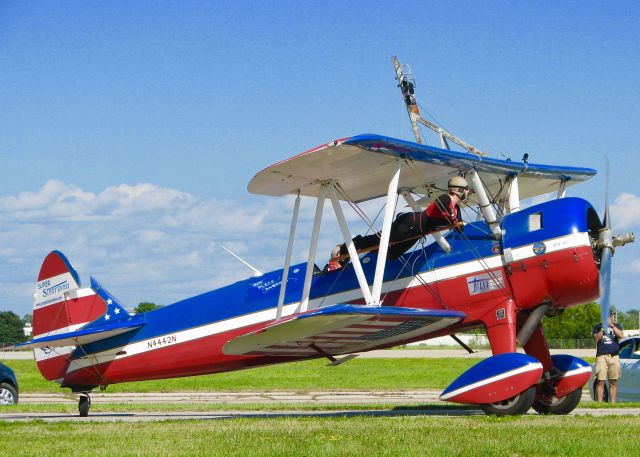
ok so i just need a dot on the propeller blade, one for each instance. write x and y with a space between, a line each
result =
607 219
605 287
606 246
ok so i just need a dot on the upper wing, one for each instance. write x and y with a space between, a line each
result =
362 165
342 329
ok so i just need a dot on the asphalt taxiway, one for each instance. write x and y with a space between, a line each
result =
220 415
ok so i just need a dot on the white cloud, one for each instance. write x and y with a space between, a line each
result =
148 243
625 211
143 242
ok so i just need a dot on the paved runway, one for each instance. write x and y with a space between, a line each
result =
409 397
402 403
240 398
381 354
217 415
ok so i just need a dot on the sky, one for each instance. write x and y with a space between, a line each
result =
129 130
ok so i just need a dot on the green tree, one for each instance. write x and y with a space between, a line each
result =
144 307
575 323
27 318
629 320
11 328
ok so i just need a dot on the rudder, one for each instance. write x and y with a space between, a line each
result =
60 306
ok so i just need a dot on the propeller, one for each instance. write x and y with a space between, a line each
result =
605 276
607 243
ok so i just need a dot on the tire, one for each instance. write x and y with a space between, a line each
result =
514 406
8 394
84 403
558 406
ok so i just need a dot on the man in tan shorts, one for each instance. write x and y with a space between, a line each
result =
607 358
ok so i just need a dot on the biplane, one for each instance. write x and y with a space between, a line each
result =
501 273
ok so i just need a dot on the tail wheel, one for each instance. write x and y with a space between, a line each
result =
513 406
555 405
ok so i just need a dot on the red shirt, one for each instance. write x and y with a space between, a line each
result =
444 209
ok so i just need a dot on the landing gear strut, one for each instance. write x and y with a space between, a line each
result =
84 403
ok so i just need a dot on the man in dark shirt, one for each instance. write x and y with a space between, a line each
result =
607 358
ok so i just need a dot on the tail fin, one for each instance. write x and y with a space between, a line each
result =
60 306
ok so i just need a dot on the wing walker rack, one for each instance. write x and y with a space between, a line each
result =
330 189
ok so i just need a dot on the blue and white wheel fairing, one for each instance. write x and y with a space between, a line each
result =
496 379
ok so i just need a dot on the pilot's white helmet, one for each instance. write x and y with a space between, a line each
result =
459 182
458 185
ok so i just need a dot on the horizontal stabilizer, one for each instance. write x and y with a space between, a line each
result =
82 336
342 329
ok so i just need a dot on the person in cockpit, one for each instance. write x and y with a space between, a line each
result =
337 261
409 227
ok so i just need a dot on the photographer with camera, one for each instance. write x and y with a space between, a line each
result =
607 358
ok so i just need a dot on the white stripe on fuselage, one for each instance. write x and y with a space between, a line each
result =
552 245
440 274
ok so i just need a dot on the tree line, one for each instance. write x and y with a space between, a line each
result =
577 322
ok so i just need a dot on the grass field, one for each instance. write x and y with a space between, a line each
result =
405 436
410 435
363 374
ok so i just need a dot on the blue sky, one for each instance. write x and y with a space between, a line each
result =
129 130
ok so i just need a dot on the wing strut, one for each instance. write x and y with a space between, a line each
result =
461 343
313 247
563 187
353 254
287 262
484 203
389 211
514 195
331 358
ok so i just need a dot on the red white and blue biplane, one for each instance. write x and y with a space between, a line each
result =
502 274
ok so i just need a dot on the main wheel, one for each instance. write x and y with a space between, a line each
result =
554 405
8 394
84 403
513 406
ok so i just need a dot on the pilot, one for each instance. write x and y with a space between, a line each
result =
409 227
335 262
